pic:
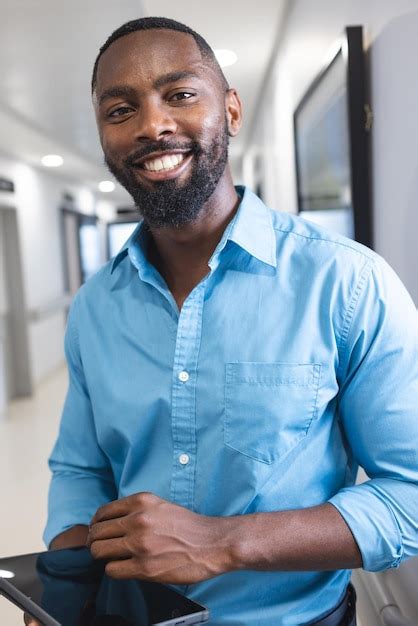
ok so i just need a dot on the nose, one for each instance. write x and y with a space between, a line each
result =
154 121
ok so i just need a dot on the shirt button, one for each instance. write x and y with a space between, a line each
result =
184 459
184 377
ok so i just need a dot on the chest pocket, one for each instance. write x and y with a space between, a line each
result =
269 407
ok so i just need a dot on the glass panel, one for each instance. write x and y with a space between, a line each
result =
118 235
89 250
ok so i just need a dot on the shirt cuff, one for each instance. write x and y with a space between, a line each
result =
373 524
74 500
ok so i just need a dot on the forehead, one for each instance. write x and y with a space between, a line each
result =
147 54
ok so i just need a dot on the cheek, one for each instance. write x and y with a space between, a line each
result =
211 124
113 143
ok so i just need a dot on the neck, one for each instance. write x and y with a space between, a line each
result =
175 250
181 255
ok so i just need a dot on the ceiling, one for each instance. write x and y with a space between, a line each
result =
48 48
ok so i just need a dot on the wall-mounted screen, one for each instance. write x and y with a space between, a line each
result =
331 144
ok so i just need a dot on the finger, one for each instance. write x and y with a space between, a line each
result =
118 508
121 507
128 568
110 549
109 529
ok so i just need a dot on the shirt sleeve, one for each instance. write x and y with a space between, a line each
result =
82 479
378 409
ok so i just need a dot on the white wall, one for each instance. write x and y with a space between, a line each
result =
3 313
391 30
37 198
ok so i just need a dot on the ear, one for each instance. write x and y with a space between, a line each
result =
233 109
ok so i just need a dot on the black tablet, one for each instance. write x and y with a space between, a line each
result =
70 588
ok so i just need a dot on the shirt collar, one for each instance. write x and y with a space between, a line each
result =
251 229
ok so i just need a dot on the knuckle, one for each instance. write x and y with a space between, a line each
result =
147 570
112 570
138 518
95 550
127 544
138 498
147 497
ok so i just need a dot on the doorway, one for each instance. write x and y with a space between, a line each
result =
15 372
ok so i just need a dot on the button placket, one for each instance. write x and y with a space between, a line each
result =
184 398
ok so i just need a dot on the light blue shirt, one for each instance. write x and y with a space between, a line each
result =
291 363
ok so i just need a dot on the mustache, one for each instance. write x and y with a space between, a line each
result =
162 146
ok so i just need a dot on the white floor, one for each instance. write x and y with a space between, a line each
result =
27 433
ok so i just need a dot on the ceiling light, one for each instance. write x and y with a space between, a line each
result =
5 573
106 186
226 57
52 160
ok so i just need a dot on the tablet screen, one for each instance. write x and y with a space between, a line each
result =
73 589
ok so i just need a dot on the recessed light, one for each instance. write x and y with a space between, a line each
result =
106 186
226 57
5 573
52 160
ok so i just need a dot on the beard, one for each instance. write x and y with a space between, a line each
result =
171 202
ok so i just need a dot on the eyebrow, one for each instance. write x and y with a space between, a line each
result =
173 77
124 91
120 91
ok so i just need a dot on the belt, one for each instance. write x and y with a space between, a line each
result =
344 614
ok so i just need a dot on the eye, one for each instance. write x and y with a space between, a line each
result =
120 111
181 95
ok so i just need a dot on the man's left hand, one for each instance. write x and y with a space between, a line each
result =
143 536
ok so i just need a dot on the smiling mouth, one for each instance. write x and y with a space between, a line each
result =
163 163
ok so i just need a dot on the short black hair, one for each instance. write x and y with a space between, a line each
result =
151 23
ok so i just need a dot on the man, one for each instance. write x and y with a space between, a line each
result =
229 370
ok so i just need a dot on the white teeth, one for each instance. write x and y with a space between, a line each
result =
167 162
